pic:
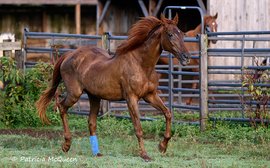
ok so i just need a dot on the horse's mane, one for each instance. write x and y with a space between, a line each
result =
139 33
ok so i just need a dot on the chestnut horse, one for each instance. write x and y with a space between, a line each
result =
129 75
210 25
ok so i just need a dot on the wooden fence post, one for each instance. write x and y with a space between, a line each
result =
106 41
203 82
19 59
105 44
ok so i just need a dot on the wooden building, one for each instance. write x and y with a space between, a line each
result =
87 16
66 16
117 16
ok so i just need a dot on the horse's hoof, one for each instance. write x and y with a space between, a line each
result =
162 148
65 147
99 155
146 158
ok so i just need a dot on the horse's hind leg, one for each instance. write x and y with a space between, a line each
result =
63 106
92 122
157 103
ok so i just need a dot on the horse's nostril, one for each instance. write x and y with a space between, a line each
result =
187 56
188 61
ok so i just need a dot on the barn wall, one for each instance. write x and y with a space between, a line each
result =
239 15
119 18
59 19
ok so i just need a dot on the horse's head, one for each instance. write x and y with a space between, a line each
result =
172 40
210 25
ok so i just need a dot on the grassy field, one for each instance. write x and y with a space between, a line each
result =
225 145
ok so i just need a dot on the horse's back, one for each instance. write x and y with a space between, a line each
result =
90 52
84 56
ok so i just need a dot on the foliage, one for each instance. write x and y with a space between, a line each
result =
258 94
20 93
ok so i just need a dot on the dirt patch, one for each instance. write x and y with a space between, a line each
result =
49 134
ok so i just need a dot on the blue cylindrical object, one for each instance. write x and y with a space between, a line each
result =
94 144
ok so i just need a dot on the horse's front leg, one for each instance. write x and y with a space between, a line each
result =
132 102
157 103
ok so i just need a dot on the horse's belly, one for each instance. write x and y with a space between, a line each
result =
105 92
113 96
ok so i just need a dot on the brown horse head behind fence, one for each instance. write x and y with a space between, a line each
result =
129 75
210 25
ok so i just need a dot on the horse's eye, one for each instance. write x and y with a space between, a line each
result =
170 34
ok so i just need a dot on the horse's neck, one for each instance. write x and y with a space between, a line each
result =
150 51
194 32
146 55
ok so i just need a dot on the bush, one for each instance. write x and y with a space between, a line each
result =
259 94
17 105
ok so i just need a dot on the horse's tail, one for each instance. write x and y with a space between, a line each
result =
46 97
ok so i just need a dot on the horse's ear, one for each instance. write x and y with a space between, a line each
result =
175 19
162 18
216 15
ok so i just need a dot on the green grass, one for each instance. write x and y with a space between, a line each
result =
225 145
16 151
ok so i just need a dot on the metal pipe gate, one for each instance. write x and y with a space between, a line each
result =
171 94
230 93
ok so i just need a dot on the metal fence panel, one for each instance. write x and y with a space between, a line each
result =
213 96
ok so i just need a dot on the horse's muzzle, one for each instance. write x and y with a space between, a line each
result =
185 58
214 41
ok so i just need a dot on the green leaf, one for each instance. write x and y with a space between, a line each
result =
251 87
258 92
